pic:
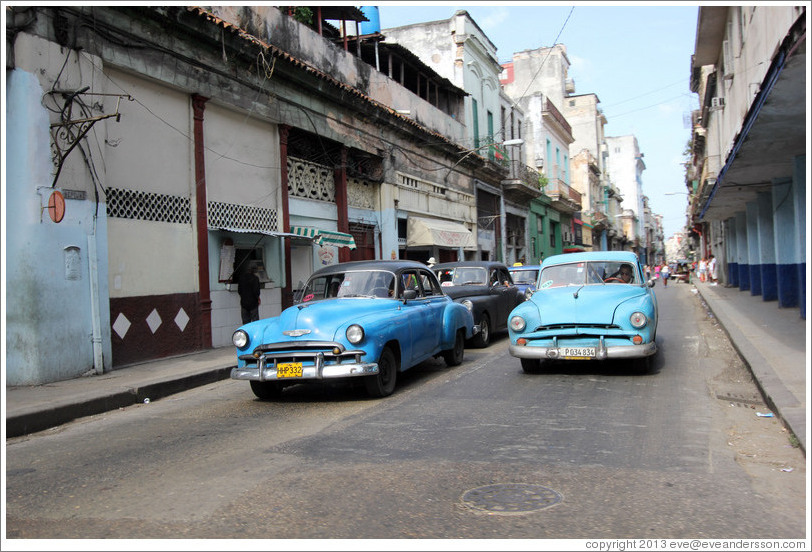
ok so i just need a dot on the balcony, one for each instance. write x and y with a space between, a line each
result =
562 196
522 183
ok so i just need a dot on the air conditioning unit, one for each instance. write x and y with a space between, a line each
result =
718 102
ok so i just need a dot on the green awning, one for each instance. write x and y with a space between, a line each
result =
324 237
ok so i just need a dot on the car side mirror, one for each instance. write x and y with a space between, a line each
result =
409 295
652 282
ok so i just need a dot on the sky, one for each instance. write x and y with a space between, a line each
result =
636 57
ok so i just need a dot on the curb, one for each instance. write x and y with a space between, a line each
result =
31 422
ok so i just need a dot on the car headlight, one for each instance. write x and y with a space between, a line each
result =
240 339
355 334
638 319
467 304
517 324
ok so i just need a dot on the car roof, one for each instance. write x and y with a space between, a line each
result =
381 264
524 267
480 264
622 256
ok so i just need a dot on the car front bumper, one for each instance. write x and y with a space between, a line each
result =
602 351
319 361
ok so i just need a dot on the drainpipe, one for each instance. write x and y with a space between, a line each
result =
93 269
204 294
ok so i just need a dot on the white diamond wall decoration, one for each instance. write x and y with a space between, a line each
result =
121 325
154 321
181 319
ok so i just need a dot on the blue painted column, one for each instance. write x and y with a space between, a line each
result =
786 243
742 251
799 184
766 242
753 248
732 252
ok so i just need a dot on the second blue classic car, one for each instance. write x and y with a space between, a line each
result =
486 289
367 319
525 276
588 306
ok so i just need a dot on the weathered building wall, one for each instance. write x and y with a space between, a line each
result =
51 267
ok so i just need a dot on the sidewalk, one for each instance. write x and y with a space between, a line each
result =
34 408
771 341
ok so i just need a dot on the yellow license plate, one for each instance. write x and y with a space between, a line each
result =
289 370
578 353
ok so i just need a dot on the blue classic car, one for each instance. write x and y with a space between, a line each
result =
588 306
525 276
486 289
367 319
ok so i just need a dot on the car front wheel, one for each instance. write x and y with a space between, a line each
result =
382 384
453 356
531 365
483 338
266 390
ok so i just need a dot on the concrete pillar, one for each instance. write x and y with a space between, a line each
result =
732 252
766 242
799 187
786 243
753 248
742 251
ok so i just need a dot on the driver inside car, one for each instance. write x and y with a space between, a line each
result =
623 275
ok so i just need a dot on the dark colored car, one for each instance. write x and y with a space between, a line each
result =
360 319
486 288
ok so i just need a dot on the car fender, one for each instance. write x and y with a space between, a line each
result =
456 317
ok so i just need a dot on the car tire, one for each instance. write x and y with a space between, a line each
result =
643 365
383 383
266 390
483 338
531 365
453 356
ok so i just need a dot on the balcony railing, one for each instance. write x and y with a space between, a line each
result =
523 183
563 196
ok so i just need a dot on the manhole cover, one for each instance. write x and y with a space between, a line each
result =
510 498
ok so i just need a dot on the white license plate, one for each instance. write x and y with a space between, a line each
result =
576 353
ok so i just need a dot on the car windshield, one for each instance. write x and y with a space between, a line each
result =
362 283
588 273
524 276
467 275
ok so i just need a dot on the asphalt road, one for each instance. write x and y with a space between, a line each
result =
480 451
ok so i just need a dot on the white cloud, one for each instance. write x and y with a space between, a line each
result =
494 19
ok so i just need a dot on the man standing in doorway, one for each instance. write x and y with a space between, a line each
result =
248 289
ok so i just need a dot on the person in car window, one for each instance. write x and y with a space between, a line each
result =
623 275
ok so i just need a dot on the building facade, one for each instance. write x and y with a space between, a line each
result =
747 177
156 152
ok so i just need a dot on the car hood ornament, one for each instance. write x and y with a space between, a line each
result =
296 333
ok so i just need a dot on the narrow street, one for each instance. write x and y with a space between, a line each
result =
593 450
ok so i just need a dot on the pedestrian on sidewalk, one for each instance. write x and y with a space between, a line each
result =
248 289
712 270
703 269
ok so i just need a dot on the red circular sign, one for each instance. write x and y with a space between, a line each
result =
56 206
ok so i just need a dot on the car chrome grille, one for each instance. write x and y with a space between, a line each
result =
580 327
